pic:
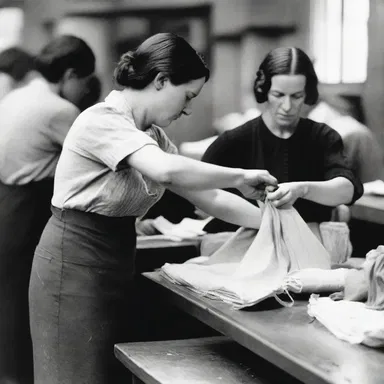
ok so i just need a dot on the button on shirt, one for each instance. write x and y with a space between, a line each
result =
33 124
91 175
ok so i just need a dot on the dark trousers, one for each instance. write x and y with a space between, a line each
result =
24 211
81 298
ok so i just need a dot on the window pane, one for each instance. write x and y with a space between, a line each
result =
333 41
340 40
355 41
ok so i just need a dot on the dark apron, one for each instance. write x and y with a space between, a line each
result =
81 293
24 211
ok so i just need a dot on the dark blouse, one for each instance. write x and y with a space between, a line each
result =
313 153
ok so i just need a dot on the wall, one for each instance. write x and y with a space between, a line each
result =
240 33
373 92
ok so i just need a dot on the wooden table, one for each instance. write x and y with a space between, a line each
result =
286 337
158 241
369 208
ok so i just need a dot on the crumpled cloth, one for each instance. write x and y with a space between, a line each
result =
375 272
250 268
349 320
366 282
336 240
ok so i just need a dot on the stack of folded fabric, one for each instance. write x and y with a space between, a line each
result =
250 268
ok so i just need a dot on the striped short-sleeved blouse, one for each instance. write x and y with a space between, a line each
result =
90 174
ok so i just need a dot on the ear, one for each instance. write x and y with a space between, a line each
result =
160 81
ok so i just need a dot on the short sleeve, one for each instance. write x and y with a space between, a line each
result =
336 163
217 152
163 140
107 136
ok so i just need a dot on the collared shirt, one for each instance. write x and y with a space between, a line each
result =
33 124
91 175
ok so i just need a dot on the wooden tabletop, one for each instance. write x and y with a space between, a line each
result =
160 241
286 337
205 360
369 208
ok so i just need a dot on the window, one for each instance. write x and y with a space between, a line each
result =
11 24
340 40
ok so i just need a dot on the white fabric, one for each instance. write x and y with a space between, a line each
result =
316 280
335 238
283 244
349 320
187 228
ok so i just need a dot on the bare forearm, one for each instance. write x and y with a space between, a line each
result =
193 174
225 206
331 192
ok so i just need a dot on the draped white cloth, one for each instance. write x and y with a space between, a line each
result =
250 268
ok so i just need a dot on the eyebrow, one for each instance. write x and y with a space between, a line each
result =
282 93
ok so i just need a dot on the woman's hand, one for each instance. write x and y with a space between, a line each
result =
287 194
255 183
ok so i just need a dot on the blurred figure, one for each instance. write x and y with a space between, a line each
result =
88 96
16 68
361 145
34 123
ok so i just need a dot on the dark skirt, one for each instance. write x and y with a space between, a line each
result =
24 211
81 294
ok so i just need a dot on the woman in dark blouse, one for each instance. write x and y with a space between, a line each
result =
306 157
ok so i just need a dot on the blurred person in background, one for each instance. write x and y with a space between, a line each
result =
16 69
34 122
116 163
87 96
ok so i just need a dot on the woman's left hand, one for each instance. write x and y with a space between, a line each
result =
287 194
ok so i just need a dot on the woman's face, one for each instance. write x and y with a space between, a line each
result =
286 99
173 101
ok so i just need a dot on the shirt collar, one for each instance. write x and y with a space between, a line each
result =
117 100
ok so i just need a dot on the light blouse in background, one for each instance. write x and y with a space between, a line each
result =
34 123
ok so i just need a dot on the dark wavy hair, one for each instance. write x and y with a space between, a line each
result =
63 53
16 62
286 61
166 53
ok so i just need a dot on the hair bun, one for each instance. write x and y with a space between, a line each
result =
260 76
127 58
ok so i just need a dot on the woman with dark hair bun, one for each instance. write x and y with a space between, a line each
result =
306 157
116 163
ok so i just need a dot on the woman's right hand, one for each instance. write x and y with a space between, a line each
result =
255 182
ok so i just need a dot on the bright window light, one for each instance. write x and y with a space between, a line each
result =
11 26
340 40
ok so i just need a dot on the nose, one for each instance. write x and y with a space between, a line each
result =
287 104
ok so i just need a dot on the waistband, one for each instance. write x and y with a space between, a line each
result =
90 219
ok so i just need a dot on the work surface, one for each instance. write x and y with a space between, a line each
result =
369 208
286 337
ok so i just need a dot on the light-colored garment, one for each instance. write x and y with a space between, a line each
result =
250 268
91 175
349 320
361 146
34 122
